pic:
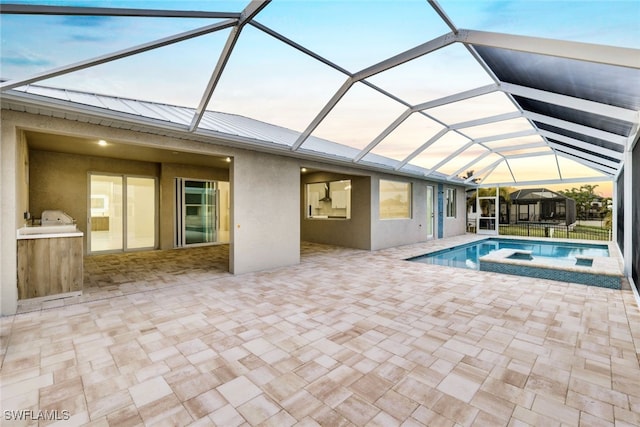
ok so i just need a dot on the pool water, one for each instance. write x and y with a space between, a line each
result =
467 256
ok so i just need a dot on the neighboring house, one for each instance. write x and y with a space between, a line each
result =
598 208
541 205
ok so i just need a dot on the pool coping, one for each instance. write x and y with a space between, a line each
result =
611 267
601 265
603 272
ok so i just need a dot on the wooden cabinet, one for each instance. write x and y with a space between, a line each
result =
49 266
99 223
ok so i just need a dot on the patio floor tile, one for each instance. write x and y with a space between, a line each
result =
347 337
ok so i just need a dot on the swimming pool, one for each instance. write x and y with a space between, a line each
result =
554 253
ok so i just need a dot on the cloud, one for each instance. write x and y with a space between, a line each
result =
86 38
86 21
22 61
84 29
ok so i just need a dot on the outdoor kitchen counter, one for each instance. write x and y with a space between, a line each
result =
50 265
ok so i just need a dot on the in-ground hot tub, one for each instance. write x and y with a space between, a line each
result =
593 271
567 261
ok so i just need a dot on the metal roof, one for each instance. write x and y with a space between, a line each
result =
536 110
530 194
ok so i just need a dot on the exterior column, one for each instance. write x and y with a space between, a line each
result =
12 173
265 212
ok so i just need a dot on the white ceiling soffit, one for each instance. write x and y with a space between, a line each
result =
581 100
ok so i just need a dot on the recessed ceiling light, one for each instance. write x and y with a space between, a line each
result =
303 169
228 160
102 143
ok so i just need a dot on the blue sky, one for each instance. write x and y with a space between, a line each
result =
289 86
354 34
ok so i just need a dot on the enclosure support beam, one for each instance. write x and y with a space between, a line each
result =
246 16
572 102
423 147
628 225
397 122
323 113
611 55
574 127
11 84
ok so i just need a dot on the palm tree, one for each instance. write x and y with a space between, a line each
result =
468 174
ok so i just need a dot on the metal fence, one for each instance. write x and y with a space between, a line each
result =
559 231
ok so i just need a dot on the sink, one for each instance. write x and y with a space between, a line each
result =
48 229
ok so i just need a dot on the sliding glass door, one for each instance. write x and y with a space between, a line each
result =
201 212
106 223
141 213
122 213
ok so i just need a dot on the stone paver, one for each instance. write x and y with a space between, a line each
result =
347 337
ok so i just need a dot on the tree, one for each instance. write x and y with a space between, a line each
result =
584 198
608 220
468 174
504 194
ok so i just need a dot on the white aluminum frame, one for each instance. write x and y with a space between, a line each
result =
586 52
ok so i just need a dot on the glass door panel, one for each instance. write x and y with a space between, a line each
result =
487 221
141 213
430 212
199 212
106 220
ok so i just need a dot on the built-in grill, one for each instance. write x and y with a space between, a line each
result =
56 217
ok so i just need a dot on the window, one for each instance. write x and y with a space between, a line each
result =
331 199
395 199
451 202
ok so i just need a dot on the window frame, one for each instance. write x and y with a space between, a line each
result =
451 203
325 211
409 194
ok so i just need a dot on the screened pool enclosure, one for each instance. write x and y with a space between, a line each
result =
476 94
428 95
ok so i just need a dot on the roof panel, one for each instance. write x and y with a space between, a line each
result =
602 83
178 72
360 116
526 170
601 22
70 39
488 105
341 30
526 151
608 124
280 86
597 142
584 150
441 73
500 174
502 144
406 138
300 89
470 154
479 163
586 160
572 169
499 128
440 150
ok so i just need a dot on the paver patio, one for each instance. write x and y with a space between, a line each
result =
347 337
